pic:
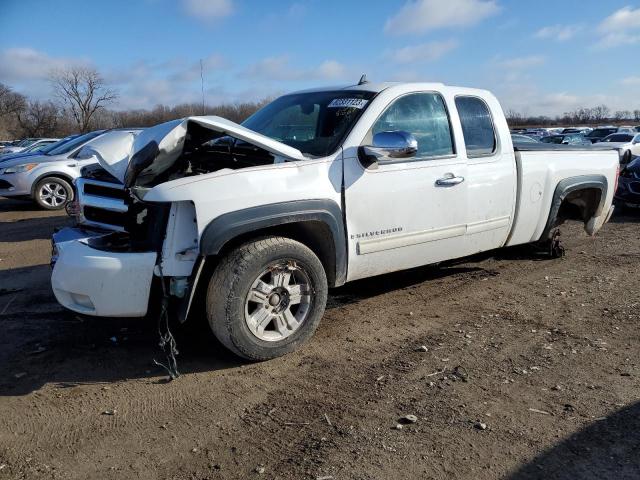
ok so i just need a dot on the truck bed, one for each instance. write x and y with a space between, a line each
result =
540 168
552 147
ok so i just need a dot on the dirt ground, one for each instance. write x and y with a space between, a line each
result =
531 370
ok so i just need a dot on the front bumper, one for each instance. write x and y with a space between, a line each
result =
15 184
96 282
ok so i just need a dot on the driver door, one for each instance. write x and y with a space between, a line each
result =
405 213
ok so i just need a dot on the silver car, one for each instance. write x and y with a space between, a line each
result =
48 179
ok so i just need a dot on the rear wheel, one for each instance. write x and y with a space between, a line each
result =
266 297
53 193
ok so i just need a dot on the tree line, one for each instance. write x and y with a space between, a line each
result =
592 116
81 102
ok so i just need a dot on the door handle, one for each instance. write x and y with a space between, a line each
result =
449 180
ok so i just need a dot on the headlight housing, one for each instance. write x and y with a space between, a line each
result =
19 168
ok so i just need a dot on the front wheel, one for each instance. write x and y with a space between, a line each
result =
266 297
53 193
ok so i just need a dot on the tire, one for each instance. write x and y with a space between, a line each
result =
280 270
53 193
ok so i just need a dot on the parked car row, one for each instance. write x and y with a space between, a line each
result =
26 144
594 135
626 140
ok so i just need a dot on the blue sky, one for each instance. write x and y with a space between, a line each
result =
542 57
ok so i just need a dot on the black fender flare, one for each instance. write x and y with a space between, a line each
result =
572 184
230 225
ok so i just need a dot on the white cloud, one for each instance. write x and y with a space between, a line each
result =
612 40
560 33
280 68
208 9
621 28
141 84
521 63
425 52
630 81
529 99
26 64
624 19
419 16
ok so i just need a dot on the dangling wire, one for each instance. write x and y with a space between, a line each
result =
167 342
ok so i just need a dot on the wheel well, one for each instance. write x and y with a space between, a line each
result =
314 234
61 176
581 204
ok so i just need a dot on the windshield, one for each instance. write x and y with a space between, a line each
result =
315 123
619 138
37 148
66 147
57 144
554 139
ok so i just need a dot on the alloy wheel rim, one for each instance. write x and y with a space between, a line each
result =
53 194
279 301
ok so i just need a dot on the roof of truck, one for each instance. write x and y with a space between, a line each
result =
405 86
367 87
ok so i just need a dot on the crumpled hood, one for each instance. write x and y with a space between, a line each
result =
155 149
112 151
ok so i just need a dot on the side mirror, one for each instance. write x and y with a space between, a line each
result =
390 147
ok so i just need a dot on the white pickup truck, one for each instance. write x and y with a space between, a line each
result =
318 188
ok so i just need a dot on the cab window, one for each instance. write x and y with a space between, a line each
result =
477 126
425 116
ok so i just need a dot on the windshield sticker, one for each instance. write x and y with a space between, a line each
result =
347 103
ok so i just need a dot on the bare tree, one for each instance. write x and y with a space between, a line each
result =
83 92
622 115
600 113
636 115
10 101
39 119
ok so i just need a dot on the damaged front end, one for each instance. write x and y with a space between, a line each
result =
106 264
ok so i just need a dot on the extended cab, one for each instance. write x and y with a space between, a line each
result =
318 188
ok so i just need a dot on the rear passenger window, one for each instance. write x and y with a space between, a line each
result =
425 116
477 126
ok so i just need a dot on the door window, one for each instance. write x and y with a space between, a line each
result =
425 116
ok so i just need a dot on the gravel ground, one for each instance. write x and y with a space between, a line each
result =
512 366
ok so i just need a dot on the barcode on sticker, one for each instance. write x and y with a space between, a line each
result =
347 103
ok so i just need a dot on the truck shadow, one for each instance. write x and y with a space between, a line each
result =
44 344
374 286
31 228
28 222
64 350
18 205
607 448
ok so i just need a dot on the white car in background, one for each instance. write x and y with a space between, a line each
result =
627 145
48 179
28 143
